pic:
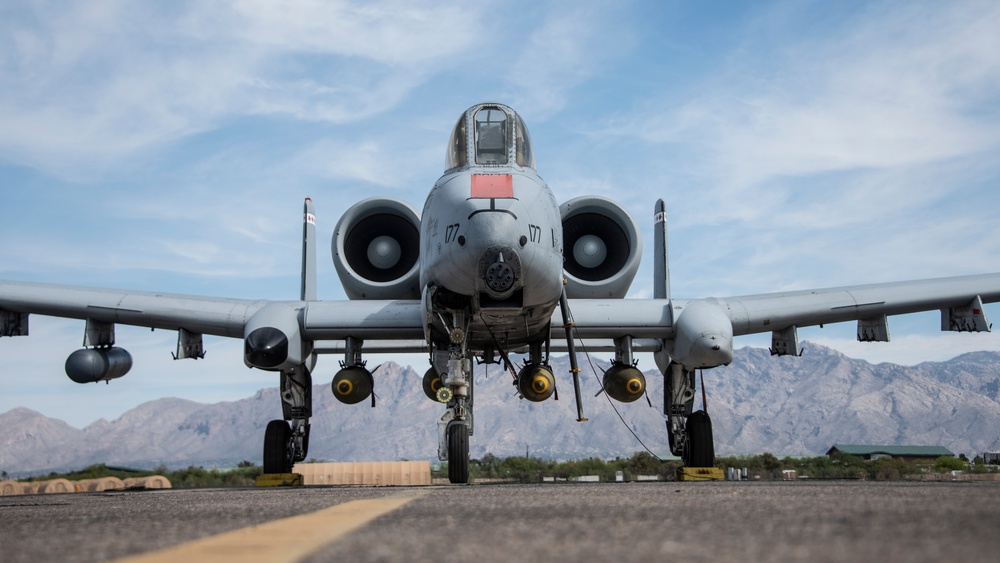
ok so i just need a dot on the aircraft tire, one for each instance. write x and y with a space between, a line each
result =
276 438
701 444
458 453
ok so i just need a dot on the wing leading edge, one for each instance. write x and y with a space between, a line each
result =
401 321
753 314
206 315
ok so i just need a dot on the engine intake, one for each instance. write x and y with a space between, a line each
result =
601 248
376 250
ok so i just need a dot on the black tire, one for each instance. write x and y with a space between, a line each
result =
276 439
458 453
701 444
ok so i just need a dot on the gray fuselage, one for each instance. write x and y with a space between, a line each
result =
491 245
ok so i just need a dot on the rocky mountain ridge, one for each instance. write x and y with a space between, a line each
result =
784 405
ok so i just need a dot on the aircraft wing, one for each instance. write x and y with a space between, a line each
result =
206 315
397 325
769 312
751 314
217 316
650 321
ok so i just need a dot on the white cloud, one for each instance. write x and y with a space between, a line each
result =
899 88
574 42
389 32
862 152
89 85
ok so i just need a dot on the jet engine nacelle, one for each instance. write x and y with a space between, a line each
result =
272 339
376 250
601 248
91 365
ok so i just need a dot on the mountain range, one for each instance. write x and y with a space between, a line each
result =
783 405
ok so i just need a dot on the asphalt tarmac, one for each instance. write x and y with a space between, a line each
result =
724 521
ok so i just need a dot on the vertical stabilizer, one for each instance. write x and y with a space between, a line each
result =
309 253
661 262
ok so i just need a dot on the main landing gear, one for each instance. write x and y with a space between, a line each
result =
690 432
287 441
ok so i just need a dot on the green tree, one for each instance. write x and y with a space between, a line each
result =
642 463
770 462
887 469
945 464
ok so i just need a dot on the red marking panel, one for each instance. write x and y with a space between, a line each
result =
492 186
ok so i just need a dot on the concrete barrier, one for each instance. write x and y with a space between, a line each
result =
98 485
56 486
11 488
377 473
151 482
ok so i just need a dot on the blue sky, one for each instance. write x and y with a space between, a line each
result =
168 146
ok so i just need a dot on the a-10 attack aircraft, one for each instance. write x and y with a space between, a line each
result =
492 266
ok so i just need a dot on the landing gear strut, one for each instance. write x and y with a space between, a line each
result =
690 432
455 426
287 441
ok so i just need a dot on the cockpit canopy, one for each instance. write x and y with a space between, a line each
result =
494 134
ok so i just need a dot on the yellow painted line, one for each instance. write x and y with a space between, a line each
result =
290 539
